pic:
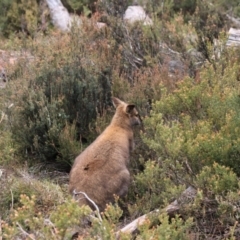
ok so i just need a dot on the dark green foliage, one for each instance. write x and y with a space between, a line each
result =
217 180
208 24
194 132
116 7
62 219
4 7
31 16
165 10
59 99
198 122
22 16
64 95
153 187
187 6
85 7
230 6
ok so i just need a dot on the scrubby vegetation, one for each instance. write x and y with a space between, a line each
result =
185 84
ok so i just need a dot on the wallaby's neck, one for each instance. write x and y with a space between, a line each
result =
121 121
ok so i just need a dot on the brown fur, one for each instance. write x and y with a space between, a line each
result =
101 169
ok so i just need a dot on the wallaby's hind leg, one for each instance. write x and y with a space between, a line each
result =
124 178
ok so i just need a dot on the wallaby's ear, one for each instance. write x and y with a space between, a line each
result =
116 101
129 108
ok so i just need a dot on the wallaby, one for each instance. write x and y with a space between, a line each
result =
101 170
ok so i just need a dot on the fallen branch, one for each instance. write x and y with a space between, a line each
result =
186 197
25 233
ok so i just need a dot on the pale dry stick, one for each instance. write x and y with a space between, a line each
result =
24 232
131 227
2 117
91 201
48 222
187 196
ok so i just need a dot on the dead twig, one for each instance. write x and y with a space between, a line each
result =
24 232
48 222
91 201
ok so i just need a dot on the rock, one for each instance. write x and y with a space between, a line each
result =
137 13
3 77
61 18
233 37
176 67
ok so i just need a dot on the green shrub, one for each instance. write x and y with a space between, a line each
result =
22 16
193 132
84 7
217 179
60 98
198 122
227 5
8 148
63 221
215 207
47 194
175 229
152 188
4 7
27 221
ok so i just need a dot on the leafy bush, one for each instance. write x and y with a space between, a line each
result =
22 16
72 78
60 98
175 229
47 194
27 221
198 122
217 179
31 16
152 188
230 6
193 132
8 148
4 7
215 207
7 144
85 7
